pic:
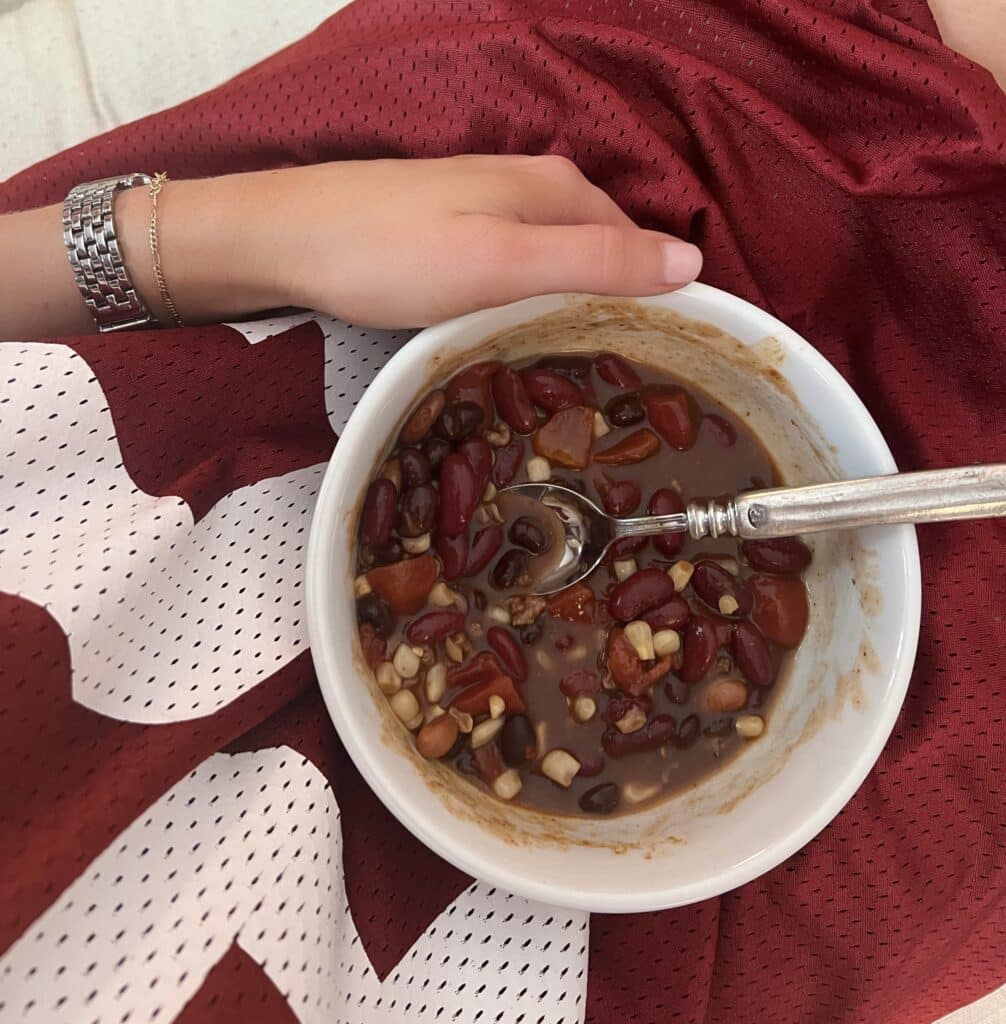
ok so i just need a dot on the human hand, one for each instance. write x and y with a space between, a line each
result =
387 243
411 242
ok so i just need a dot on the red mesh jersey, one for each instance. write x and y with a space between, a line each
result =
183 833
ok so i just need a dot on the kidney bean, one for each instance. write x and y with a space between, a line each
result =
574 604
711 582
415 467
512 401
576 683
509 653
689 730
572 366
436 449
657 731
418 512
623 662
405 585
672 614
480 457
641 592
509 459
421 421
780 608
372 645
480 599
550 391
666 502
478 669
618 707
779 554
752 655
484 546
473 384
378 515
508 570
372 610
616 371
565 439
518 743
529 535
721 430
460 421
459 495
625 547
625 410
699 646
437 738
671 417
474 700
592 762
639 445
622 498
453 552
434 626
601 799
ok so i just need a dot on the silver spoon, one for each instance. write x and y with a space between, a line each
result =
971 492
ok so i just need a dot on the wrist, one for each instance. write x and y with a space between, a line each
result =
212 257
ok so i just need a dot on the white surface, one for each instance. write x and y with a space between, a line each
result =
120 569
717 850
72 69
248 849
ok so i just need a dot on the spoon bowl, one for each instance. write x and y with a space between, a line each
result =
586 531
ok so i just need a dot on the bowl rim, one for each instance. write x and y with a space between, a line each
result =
325 522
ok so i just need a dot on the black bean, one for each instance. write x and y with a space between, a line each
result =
418 512
415 467
518 742
436 449
624 410
530 535
719 727
688 732
601 799
393 551
532 634
460 421
506 573
370 608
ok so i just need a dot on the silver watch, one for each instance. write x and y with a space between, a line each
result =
93 248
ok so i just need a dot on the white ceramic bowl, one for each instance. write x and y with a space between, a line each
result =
832 715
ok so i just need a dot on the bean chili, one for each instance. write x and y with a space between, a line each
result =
616 691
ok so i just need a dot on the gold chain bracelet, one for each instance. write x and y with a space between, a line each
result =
156 184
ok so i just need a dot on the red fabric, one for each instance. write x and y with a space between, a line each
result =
840 168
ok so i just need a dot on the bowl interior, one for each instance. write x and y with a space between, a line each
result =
833 712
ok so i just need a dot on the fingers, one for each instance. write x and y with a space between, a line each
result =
519 260
551 190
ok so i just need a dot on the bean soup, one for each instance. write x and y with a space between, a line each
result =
620 689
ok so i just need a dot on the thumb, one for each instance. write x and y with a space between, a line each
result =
602 259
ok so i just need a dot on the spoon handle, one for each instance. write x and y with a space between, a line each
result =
970 492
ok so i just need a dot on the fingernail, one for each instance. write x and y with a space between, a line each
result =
682 262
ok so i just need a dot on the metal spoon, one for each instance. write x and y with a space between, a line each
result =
971 492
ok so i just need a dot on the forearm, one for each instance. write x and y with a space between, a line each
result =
386 243
213 265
